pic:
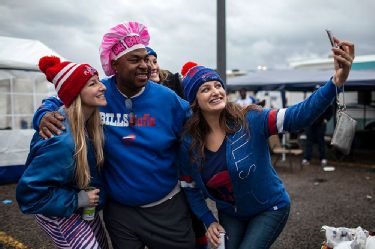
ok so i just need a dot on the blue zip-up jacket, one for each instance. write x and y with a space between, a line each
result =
47 186
139 156
256 186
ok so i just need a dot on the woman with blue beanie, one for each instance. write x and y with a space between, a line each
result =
225 155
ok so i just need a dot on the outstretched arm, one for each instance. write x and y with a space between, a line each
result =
301 115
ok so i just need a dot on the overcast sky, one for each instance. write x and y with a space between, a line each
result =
266 32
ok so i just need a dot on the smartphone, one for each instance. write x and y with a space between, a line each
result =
333 43
330 37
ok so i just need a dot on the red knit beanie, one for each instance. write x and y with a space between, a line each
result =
69 78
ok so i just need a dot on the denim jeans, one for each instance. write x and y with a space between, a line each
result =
258 232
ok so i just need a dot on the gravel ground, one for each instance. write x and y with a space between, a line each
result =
344 197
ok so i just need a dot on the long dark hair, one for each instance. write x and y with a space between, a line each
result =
171 81
231 119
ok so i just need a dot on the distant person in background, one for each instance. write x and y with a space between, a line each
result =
315 133
172 81
61 168
245 100
23 124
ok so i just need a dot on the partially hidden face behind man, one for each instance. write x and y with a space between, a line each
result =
153 62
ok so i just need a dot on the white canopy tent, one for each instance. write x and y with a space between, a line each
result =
22 88
22 54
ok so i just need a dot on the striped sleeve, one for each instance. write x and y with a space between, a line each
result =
187 182
191 186
275 121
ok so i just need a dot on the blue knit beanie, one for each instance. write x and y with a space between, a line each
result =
194 76
150 51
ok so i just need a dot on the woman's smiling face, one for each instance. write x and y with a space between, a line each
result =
211 97
153 63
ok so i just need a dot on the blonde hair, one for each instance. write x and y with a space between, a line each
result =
163 75
94 131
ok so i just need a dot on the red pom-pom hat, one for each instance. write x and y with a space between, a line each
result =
188 65
69 78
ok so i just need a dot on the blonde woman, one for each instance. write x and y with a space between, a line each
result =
60 169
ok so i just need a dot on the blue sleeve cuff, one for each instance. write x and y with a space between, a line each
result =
48 105
37 117
83 199
208 218
339 89
328 90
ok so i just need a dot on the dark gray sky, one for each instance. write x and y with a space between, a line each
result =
268 32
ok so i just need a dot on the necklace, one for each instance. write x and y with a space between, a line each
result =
129 104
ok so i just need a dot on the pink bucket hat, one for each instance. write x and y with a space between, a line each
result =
122 39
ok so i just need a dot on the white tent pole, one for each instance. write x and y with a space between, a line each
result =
12 102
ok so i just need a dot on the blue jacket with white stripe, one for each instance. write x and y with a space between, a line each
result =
256 186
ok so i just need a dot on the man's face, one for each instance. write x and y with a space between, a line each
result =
132 69
243 93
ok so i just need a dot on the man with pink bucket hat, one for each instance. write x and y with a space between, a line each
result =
142 123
